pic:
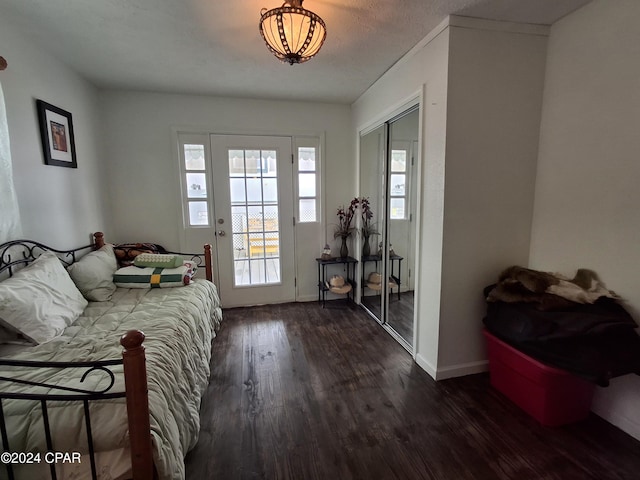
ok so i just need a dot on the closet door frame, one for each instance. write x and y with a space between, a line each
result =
396 112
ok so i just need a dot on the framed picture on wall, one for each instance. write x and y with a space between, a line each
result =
56 132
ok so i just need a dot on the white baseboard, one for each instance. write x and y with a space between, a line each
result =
452 371
617 404
307 298
624 423
462 369
426 366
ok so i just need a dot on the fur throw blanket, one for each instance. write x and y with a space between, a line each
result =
549 290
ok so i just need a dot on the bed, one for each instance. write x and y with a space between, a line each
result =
80 408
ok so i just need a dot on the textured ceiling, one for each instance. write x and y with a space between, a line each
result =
214 47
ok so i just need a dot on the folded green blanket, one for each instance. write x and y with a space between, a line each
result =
154 277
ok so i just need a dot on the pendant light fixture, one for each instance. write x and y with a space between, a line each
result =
292 33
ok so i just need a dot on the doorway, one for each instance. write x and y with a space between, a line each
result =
246 215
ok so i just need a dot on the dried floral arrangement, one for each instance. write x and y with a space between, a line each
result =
346 216
368 226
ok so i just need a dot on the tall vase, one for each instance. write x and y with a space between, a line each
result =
366 248
344 250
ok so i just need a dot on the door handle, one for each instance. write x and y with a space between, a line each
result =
221 233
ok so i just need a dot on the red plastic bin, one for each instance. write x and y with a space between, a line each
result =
552 396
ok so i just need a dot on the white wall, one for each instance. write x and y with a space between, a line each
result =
496 79
587 195
143 173
58 206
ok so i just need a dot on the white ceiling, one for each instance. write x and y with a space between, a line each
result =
214 47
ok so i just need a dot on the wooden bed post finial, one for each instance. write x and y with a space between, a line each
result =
207 262
135 380
98 240
132 339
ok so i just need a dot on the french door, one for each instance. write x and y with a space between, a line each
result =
253 219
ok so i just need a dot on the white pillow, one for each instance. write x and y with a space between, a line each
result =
40 300
93 274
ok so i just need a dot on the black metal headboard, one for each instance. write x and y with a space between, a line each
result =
19 253
126 252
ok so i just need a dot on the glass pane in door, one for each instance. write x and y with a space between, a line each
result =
197 185
194 157
254 205
307 208
198 213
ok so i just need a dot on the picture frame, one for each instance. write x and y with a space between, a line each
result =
56 133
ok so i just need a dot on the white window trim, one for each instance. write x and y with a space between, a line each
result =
308 142
194 139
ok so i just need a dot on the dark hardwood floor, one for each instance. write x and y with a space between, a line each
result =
401 315
301 392
400 312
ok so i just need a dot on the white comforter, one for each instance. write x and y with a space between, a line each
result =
179 324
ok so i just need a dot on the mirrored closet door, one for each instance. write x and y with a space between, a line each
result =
372 158
388 180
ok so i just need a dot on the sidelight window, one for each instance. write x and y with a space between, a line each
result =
308 180
195 188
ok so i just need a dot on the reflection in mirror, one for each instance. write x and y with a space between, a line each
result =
401 225
372 148
388 180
